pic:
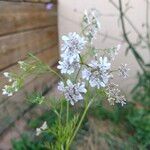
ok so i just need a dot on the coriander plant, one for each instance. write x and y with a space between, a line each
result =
86 73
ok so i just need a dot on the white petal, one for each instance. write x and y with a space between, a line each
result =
44 126
65 38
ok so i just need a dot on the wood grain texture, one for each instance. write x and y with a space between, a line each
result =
17 17
41 1
33 1
15 47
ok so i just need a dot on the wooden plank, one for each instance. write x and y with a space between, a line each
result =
34 1
16 17
49 56
16 46
41 1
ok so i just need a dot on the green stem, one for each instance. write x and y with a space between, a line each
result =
78 73
67 118
54 72
50 69
80 122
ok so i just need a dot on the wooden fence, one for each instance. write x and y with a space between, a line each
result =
25 26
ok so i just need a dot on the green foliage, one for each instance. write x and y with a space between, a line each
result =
32 142
56 136
136 122
62 133
141 92
25 143
36 98
139 119
35 66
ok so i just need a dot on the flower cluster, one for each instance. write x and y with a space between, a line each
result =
73 92
90 24
16 81
97 72
114 95
14 86
23 65
123 70
30 66
112 52
71 48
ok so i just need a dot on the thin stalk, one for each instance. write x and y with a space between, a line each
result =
61 110
147 23
54 72
78 73
130 22
80 122
114 70
49 69
133 50
67 117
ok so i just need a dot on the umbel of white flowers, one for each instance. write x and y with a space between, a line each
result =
14 87
73 92
97 73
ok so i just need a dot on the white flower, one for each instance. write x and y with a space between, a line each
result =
7 90
114 95
86 74
97 72
103 64
23 65
73 92
38 131
72 47
61 86
121 99
123 70
99 79
42 128
8 75
67 67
